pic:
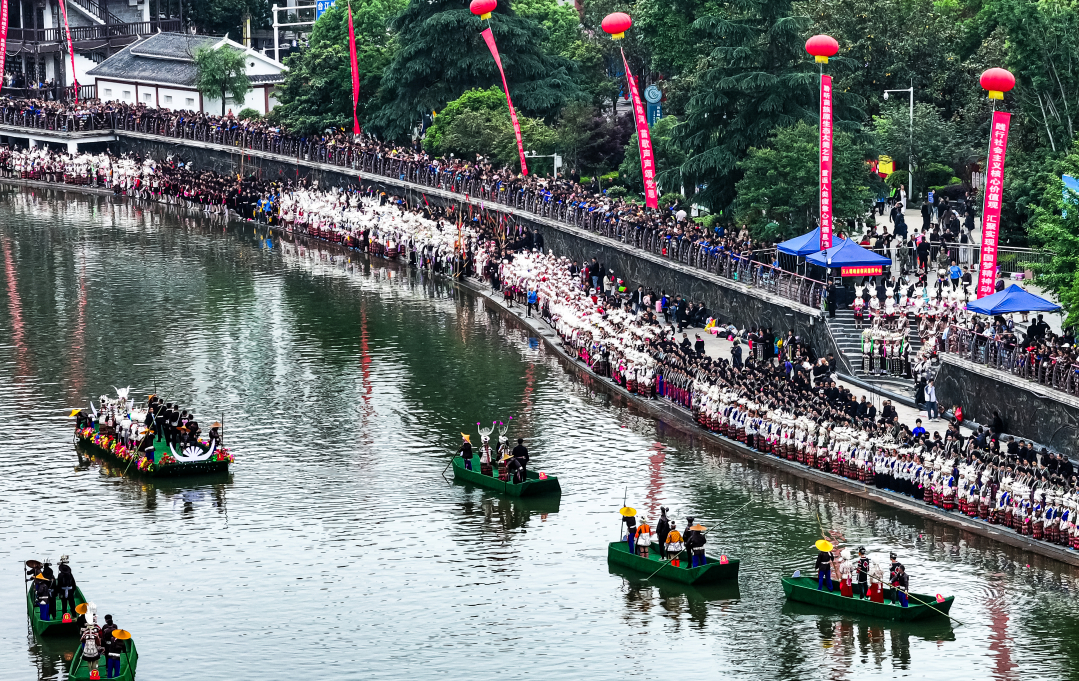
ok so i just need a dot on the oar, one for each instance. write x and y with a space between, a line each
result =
448 464
728 517
939 612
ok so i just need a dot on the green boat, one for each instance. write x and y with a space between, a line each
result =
129 660
715 570
531 487
55 626
921 606
165 460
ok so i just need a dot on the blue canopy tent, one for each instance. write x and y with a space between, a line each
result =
1012 299
848 254
805 244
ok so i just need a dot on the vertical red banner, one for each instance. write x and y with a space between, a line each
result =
994 189
355 73
3 36
489 38
644 140
825 162
70 49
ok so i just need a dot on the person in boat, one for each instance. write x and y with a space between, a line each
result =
663 526
861 569
465 450
876 584
673 545
695 541
108 628
215 432
192 428
843 569
113 648
503 467
42 594
91 640
65 587
48 573
902 586
520 453
824 570
644 537
631 531
515 469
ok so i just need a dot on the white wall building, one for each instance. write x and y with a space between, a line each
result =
159 71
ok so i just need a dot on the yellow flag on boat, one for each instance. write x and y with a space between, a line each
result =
824 545
628 512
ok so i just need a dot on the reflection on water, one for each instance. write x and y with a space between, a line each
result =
337 545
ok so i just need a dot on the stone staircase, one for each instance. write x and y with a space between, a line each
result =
849 340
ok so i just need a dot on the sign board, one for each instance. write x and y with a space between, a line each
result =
862 271
886 166
655 112
1071 193
321 6
930 198
652 94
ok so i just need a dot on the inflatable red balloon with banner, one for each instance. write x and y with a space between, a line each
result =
483 8
617 24
822 47
997 81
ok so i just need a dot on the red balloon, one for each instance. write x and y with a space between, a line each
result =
822 46
998 80
616 24
483 8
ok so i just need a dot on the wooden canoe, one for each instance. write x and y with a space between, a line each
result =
531 487
129 660
804 589
712 571
55 626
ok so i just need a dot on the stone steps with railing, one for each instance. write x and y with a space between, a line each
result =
848 339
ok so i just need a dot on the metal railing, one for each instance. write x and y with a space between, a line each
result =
590 213
1026 363
1010 259
95 32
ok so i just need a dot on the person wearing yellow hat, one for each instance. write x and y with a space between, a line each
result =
465 450
43 594
824 564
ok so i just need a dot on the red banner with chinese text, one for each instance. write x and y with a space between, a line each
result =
3 35
861 271
644 140
70 49
355 73
994 186
489 38
825 162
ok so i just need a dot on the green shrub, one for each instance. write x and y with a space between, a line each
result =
249 114
672 197
617 192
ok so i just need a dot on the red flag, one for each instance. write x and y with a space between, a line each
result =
644 141
825 162
70 49
994 187
3 35
489 38
355 73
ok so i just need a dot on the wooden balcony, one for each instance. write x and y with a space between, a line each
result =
92 37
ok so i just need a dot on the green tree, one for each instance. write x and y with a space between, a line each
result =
222 72
757 78
442 54
478 123
666 151
780 184
936 141
1055 226
561 22
317 92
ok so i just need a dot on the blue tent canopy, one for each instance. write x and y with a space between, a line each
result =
805 244
1012 299
847 254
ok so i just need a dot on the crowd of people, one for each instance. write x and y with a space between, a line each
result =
776 402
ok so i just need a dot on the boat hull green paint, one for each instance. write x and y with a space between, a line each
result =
531 487
129 661
804 590
711 572
55 626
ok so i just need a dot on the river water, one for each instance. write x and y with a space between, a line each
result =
335 549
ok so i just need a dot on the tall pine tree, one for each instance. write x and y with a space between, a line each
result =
757 78
441 55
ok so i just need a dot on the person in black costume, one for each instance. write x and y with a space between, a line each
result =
520 456
465 450
65 586
663 528
861 587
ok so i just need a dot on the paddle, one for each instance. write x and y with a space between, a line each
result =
448 464
728 517
910 595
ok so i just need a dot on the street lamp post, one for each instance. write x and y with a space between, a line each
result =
910 147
